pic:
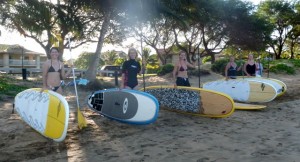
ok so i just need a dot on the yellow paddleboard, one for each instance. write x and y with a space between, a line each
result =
46 112
244 90
194 101
278 84
245 106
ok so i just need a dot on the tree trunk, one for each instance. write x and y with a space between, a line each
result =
213 58
160 57
92 69
292 49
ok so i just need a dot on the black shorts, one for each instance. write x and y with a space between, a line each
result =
131 84
183 82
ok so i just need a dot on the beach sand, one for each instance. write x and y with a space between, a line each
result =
268 135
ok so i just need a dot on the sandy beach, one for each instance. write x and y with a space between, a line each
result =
268 135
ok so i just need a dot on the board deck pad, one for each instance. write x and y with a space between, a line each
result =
46 112
115 103
179 99
129 106
194 101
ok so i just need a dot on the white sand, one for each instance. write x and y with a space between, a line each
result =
268 135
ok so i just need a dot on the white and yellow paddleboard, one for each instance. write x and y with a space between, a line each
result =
243 90
46 112
194 101
245 106
278 84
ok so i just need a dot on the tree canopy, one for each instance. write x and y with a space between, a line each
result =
192 26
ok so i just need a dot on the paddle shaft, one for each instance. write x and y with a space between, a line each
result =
143 59
73 72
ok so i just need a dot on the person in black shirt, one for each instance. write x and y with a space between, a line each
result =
231 69
130 69
250 66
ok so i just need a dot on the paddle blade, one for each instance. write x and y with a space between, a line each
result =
81 119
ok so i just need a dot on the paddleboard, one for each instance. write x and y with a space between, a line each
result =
244 106
278 84
46 112
243 90
128 106
283 85
194 101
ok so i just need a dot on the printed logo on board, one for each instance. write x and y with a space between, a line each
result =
125 105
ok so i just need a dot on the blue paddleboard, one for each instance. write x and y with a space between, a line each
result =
128 106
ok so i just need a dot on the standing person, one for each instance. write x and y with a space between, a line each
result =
180 71
130 69
260 68
250 66
54 72
231 69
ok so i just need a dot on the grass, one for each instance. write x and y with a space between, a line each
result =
9 86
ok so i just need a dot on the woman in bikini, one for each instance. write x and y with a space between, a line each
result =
250 66
231 69
54 72
180 74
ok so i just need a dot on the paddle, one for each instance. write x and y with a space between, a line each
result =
199 73
143 60
269 58
240 56
81 120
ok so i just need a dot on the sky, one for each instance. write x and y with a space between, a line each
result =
8 37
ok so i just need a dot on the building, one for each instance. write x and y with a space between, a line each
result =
13 58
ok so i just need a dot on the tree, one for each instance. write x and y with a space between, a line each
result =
50 24
109 57
131 12
294 34
85 59
279 14
146 55
159 36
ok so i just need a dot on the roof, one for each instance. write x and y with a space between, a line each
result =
17 49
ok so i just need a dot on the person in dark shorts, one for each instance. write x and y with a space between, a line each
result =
180 74
250 66
231 69
54 72
130 69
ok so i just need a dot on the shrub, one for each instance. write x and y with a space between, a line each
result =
296 63
219 66
195 72
99 85
165 69
206 59
152 69
282 68
9 87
